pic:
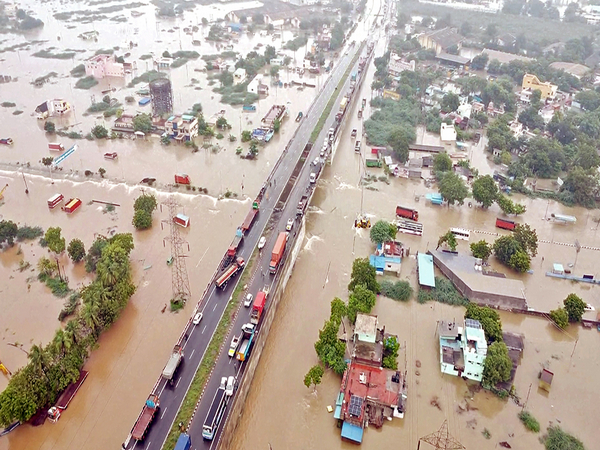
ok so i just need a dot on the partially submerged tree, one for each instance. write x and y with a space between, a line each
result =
575 307
481 249
313 376
382 231
453 189
560 317
76 250
363 273
485 190
449 239
497 364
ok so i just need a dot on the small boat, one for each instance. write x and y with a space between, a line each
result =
299 116
6 141
112 155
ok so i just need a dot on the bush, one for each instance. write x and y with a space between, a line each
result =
400 290
557 439
70 306
142 219
560 317
443 292
529 421
26 233
86 83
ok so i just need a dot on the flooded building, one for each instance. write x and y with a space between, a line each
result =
56 107
441 40
367 341
387 257
481 287
182 128
100 66
547 89
462 349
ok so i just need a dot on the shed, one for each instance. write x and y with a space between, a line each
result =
144 101
546 379
558 269
425 268
352 432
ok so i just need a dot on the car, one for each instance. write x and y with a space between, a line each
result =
248 300
322 154
197 318
262 242
316 161
223 384
313 177
289 225
230 386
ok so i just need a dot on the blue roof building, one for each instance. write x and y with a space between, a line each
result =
425 269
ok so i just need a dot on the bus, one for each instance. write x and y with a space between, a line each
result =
215 413
461 233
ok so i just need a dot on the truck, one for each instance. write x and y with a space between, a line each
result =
235 244
215 413
56 147
72 205
235 342
145 418
258 307
278 251
407 213
249 108
505 224
249 220
55 200
229 273
182 178
302 205
183 443
247 338
173 363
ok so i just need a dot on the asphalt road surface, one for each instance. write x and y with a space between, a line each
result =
215 300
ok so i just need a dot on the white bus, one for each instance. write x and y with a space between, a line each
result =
461 233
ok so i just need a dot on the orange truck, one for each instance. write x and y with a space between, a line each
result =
278 251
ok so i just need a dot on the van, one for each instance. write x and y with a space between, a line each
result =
230 386
313 177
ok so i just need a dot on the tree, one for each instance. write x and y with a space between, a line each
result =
147 202
450 102
497 364
56 242
361 300
508 206
560 317
363 273
390 353
222 123
557 439
382 231
485 190
575 307
449 239
142 219
489 319
102 171
442 162
400 139
246 135
8 232
338 309
49 127
400 290
100 132
527 238
582 185
453 189
76 250
481 250
253 149
520 261
313 376
531 118
143 123
480 61
47 160
505 247
274 71
276 125
330 349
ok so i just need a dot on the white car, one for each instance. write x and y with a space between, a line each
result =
223 383
316 161
248 300
230 386
290 224
197 318
262 242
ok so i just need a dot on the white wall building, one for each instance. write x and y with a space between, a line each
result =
100 66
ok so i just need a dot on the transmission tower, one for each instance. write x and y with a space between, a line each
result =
180 282
441 439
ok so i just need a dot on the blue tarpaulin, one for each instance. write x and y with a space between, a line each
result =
352 432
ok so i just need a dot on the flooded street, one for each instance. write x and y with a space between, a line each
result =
132 353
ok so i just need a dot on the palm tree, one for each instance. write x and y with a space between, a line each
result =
90 315
72 330
37 356
62 342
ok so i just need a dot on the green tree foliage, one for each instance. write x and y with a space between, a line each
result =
100 132
575 307
329 348
560 317
143 207
276 125
382 231
8 232
222 123
76 250
400 139
94 253
448 239
529 421
489 319
338 309
442 162
47 160
450 102
363 273
55 241
246 135
480 61
582 185
400 290
53 367
520 261
511 253
361 300
49 127
390 353
143 123
481 249
527 238
443 292
313 376
557 438
508 206
147 202
485 190
453 189
142 219
497 364
531 119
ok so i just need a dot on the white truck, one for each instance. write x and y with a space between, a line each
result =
173 364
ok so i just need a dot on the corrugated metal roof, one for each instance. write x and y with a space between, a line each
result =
426 275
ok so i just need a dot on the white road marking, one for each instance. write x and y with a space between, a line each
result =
215 306
149 444
177 382
202 257
203 329
162 389
192 354
162 415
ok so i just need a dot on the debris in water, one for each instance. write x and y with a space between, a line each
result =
472 423
149 266
505 444
486 433
435 401
418 363
164 308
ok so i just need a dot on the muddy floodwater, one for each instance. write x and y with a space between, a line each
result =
280 411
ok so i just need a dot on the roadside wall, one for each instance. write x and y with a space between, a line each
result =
244 388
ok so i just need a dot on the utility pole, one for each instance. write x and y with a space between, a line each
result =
441 439
180 282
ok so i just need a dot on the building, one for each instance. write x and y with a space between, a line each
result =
504 57
425 269
577 70
546 378
123 123
256 86
396 65
442 41
239 76
387 258
182 128
100 66
447 132
367 341
56 107
163 63
462 349
532 82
